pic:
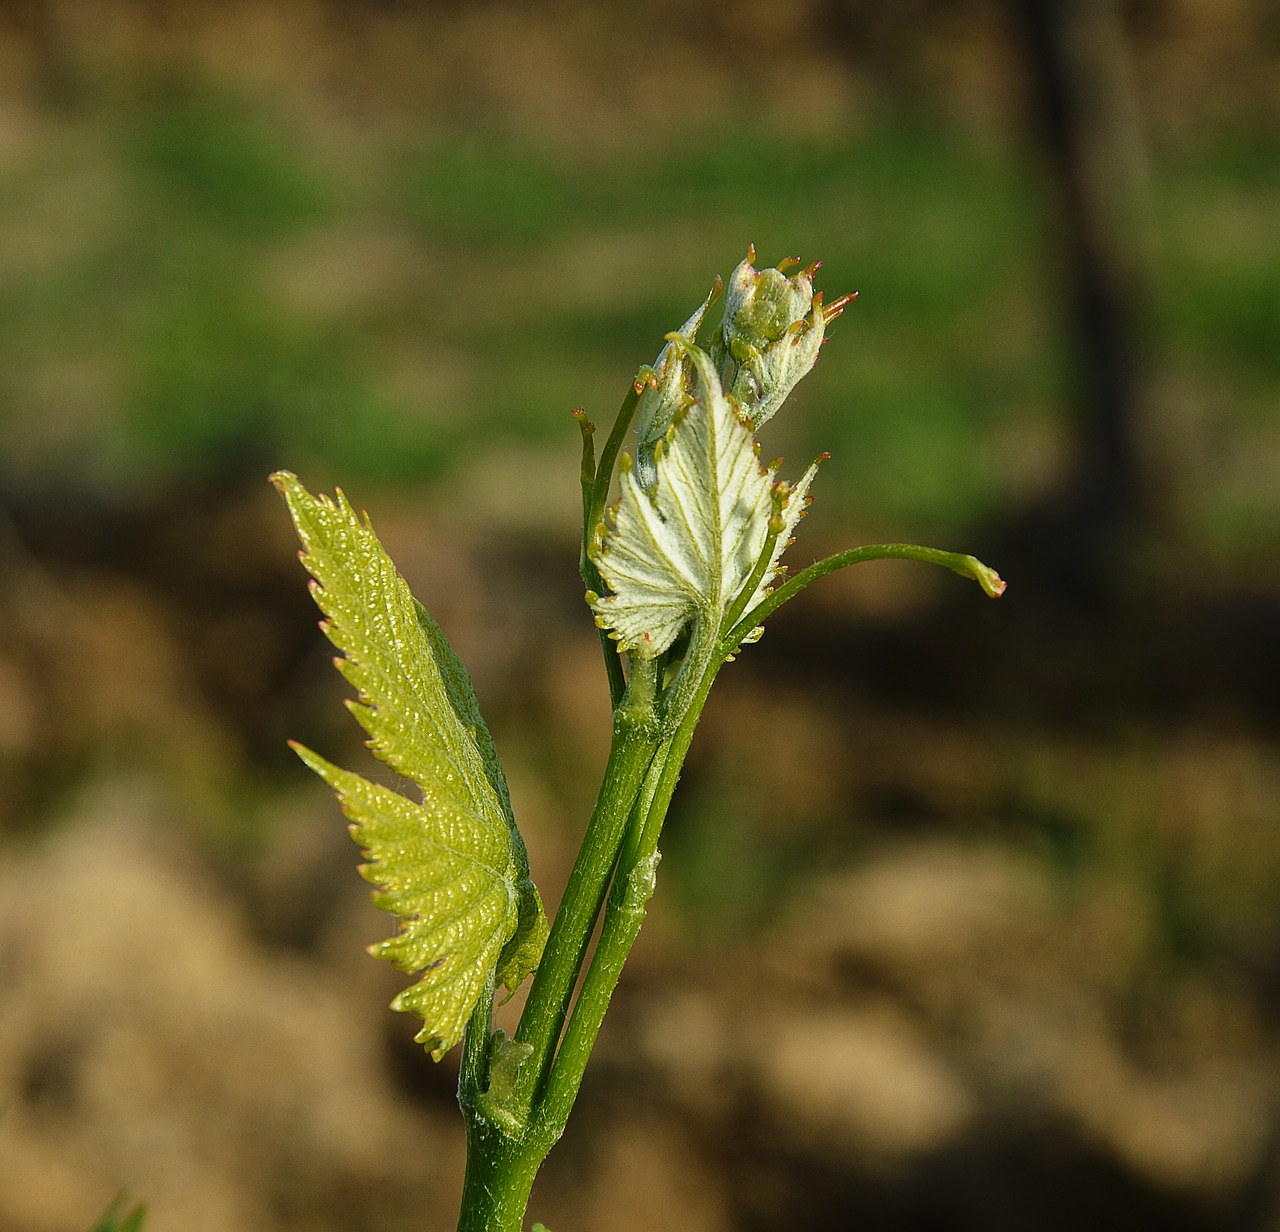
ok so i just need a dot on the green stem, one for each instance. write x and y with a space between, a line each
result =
623 917
473 1074
506 1139
665 787
500 1168
586 480
966 566
635 738
596 478
633 885
609 457
498 1181
608 647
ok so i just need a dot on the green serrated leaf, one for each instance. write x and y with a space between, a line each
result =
452 868
687 548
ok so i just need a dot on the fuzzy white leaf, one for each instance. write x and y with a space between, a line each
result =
685 550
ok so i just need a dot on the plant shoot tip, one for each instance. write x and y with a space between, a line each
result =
992 583
671 580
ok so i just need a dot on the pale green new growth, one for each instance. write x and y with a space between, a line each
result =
453 868
689 557
773 328
687 549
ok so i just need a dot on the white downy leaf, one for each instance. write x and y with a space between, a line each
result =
685 549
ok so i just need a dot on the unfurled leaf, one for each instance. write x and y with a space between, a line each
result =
686 549
451 867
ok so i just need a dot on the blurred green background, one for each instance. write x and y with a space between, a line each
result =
969 917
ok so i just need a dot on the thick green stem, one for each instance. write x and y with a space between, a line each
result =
633 885
473 1075
623 917
499 1180
635 738
503 1160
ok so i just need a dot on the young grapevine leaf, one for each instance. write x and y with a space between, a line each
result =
451 867
686 549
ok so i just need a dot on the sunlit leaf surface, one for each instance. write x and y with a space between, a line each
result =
451 867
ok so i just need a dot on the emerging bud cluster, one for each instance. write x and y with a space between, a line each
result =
696 536
773 327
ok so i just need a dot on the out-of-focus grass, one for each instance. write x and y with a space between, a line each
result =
195 282
934 234
1218 317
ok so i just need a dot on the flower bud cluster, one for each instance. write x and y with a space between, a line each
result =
774 324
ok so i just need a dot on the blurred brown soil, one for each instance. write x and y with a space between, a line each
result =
910 964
